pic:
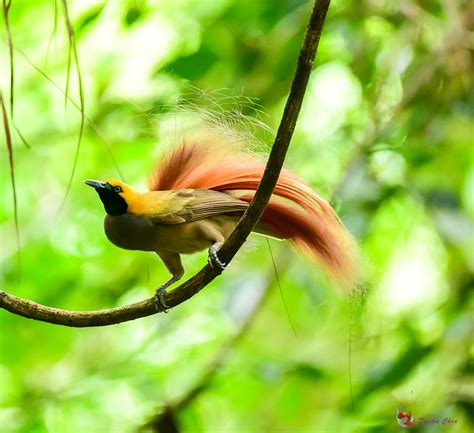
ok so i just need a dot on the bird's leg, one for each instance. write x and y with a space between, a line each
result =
160 293
213 260
172 262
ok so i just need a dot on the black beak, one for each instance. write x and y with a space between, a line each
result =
97 184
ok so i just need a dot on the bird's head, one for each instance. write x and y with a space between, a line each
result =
115 195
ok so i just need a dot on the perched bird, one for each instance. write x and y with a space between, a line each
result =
198 192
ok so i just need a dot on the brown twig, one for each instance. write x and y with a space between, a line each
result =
72 54
196 283
6 9
8 140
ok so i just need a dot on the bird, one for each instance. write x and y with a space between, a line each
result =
198 191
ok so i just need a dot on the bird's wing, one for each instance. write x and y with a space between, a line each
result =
199 204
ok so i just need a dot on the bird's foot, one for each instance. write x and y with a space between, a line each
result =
213 260
160 303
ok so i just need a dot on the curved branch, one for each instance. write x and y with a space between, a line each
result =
32 310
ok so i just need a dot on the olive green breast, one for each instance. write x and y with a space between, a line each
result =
131 232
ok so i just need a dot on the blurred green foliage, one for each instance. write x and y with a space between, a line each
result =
386 130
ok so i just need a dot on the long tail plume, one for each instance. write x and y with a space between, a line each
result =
295 211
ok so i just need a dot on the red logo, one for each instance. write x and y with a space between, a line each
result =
404 419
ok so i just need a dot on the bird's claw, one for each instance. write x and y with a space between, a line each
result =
160 303
213 260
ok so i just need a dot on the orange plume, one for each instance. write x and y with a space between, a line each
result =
295 212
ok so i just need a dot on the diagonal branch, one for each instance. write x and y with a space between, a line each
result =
196 283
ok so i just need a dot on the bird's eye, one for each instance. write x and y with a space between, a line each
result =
118 188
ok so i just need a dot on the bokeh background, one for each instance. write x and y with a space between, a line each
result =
386 132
